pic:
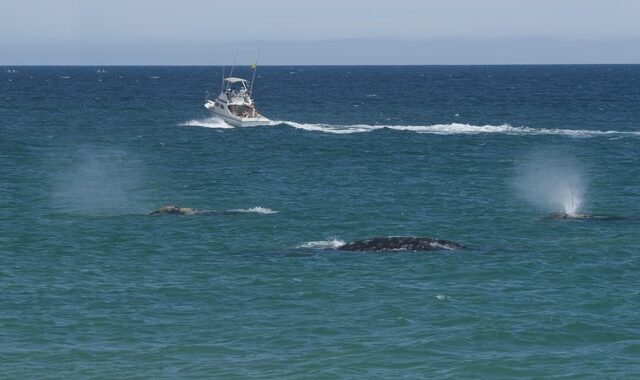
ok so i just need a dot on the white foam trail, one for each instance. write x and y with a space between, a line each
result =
211 122
455 129
327 128
323 244
436 129
257 210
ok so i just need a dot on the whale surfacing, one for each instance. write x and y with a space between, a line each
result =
578 216
175 210
400 243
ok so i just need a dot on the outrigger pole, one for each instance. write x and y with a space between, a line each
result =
255 68
234 64
222 84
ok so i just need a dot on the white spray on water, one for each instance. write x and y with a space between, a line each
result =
553 182
98 182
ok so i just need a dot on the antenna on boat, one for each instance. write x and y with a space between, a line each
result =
234 64
255 68
230 72
222 84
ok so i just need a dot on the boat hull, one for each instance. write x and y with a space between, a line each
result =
236 121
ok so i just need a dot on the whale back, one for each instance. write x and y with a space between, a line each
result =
565 216
400 243
173 210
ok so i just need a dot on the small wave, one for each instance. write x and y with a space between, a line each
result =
323 244
455 129
211 122
257 210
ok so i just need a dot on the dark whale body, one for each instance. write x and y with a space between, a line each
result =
175 210
566 216
400 243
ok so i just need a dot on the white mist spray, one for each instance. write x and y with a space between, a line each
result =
98 182
552 182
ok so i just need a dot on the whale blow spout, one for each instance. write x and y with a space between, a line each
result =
552 181
400 243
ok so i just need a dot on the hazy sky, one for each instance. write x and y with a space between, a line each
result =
208 32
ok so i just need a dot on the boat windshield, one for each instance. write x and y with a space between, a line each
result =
237 87
236 84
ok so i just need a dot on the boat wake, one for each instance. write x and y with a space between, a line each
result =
436 129
455 129
210 122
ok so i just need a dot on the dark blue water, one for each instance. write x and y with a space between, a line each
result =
91 287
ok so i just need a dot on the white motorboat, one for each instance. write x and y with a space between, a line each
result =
235 105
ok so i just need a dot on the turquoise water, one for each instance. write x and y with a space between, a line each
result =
91 287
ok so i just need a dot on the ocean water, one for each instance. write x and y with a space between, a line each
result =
92 287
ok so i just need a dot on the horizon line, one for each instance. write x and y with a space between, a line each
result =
327 65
